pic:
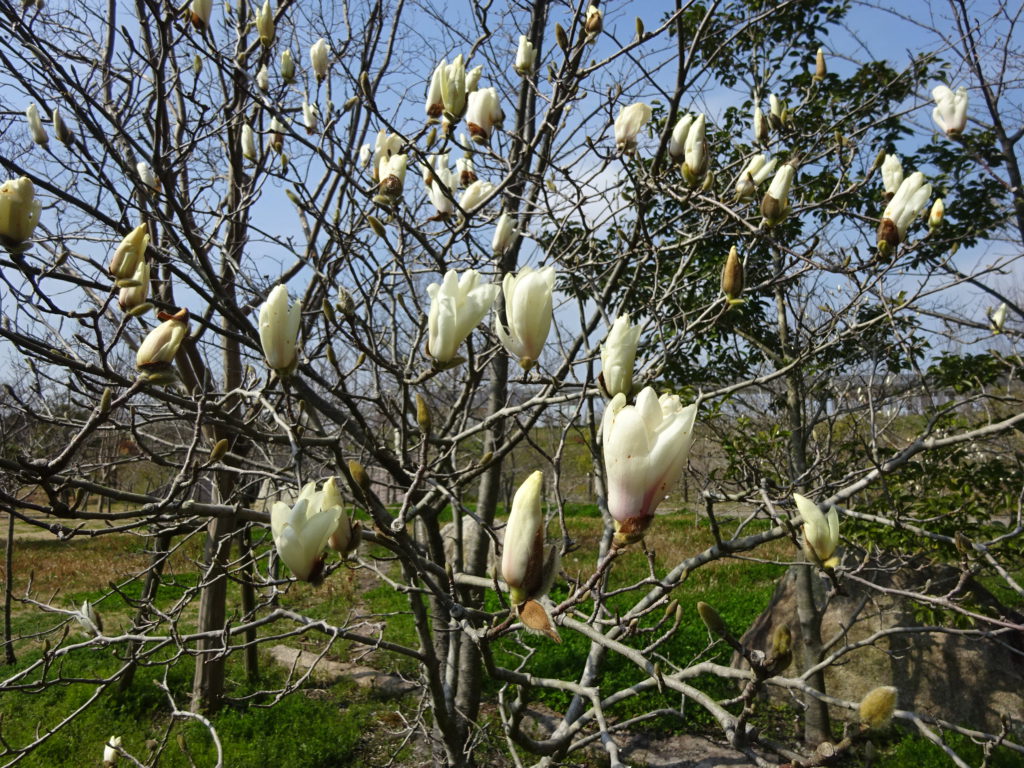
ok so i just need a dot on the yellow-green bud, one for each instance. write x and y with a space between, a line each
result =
877 706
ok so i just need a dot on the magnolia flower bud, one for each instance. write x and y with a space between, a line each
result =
263 79
19 211
877 706
201 11
467 172
758 169
265 24
35 126
732 277
819 65
526 57
310 116
457 305
528 312
904 207
950 112
301 531
473 78
760 125
135 290
505 234
483 113
775 205
441 194
89 619
435 97
248 143
287 65
695 167
677 144
776 112
453 88
618 355
279 330
276 135
711 619
386 145
392 182
594 23
936 214
892 174
130 253
998 318
147 176
156 352
475 195
60 129
318 58
423 420
628 124
110 751
821 532
645 451
365 154
527 568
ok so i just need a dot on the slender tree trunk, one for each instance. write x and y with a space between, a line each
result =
816 719
208 682
161 544
9 656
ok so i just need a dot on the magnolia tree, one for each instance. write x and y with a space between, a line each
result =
710 222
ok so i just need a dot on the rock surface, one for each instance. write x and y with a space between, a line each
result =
328 672
961 678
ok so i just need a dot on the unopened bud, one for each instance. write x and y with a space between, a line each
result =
639 28
359 476
732 276
819 65
877 706
711 619
346 305
328 311
375 225
220 448
782 640
423 415
105 400
349 103
561 37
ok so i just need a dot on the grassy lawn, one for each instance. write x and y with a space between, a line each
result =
318 727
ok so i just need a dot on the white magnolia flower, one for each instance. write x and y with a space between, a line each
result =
628 124
775 205
130 252
528 567
677 144
89 619
310 116
526 56
695 166
618 355
457 305
505 233
385 145
937 213
442 201
110 751
147 176
287 65
201 12
248 142
645 451
263 79
821 532
301 531
135 290
279 330
19 211
892 174
265 24
475 195
528 311
156 352
998 319
758 169
483 113
453 87
319 54
760 125
35 126
435 97
904 207
950 112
